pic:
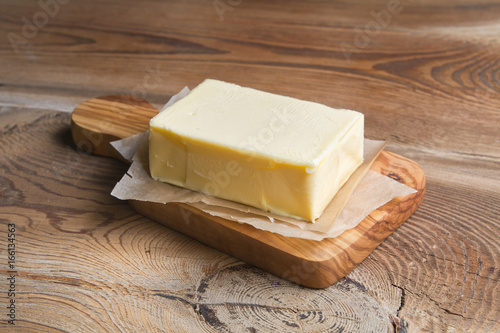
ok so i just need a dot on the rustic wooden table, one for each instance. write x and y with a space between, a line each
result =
424 73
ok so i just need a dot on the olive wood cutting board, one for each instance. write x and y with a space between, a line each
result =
315 264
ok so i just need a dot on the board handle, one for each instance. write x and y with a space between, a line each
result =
99 121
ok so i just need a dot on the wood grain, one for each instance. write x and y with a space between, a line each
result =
87 262
429 79
407 64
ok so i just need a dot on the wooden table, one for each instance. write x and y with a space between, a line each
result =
425 74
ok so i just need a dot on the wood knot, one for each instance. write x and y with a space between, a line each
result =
395 177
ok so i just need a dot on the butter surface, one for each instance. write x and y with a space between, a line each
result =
272 152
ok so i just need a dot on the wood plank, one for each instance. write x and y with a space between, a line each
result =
422 97
429 80
81 253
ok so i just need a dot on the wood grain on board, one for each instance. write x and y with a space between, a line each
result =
429 78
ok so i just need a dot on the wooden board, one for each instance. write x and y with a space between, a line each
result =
315 264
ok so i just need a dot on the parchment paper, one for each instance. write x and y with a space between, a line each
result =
364 192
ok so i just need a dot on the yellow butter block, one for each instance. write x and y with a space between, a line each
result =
276 153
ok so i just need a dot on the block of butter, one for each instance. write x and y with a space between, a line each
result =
276 153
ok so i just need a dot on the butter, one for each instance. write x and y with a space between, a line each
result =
276 153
